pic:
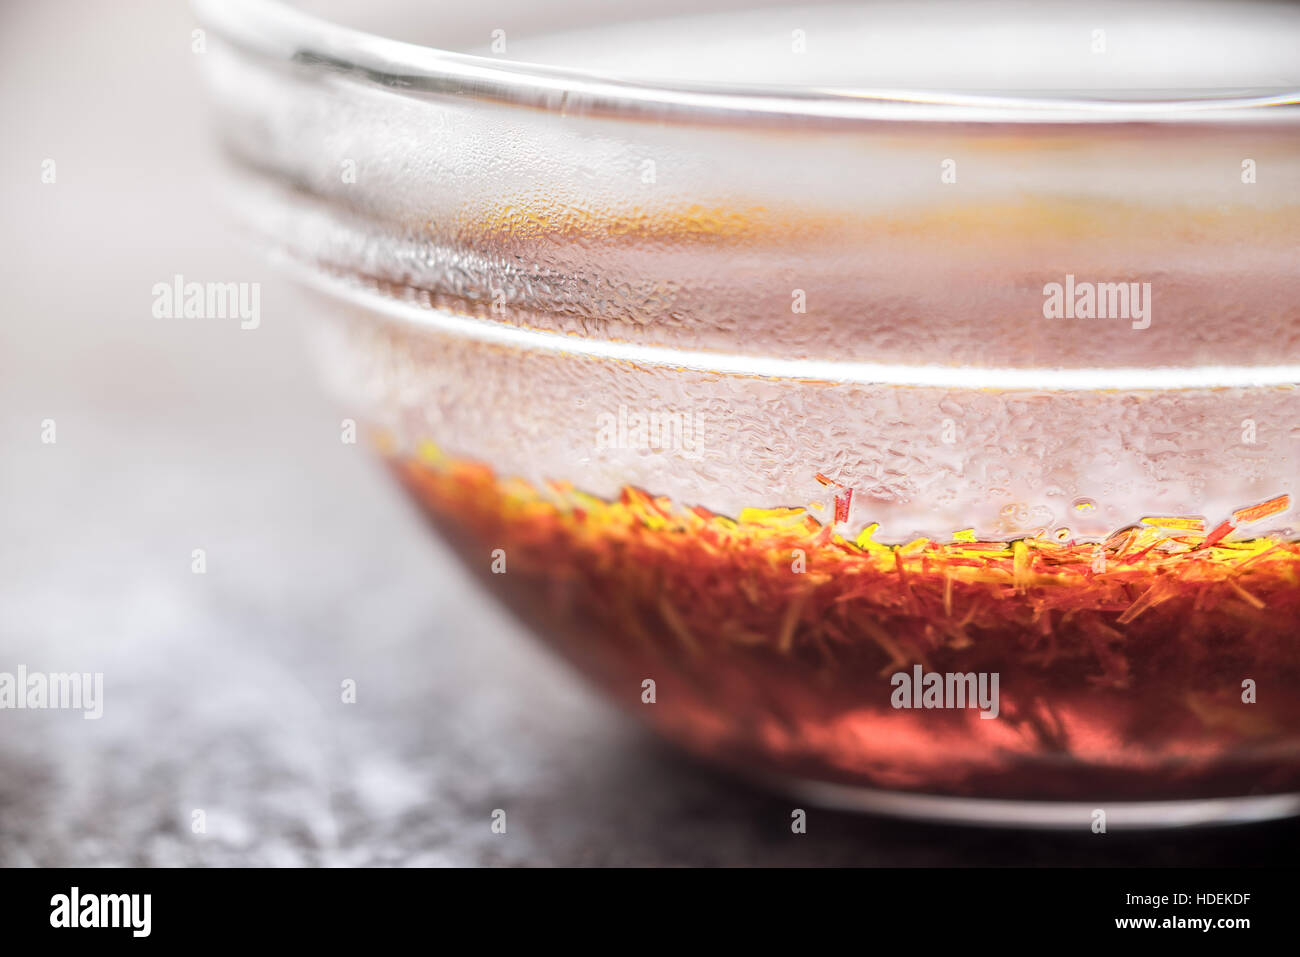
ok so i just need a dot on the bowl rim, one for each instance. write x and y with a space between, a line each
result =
275 30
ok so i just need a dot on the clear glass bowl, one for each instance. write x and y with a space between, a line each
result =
896 404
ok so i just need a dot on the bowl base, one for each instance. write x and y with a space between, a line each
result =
1043 815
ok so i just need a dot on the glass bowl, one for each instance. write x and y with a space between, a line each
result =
895 404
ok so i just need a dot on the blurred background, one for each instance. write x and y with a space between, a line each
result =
222 690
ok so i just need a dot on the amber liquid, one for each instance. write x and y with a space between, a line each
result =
779 672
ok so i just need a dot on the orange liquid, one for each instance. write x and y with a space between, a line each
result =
1121 678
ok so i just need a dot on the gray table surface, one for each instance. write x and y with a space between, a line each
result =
222 690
